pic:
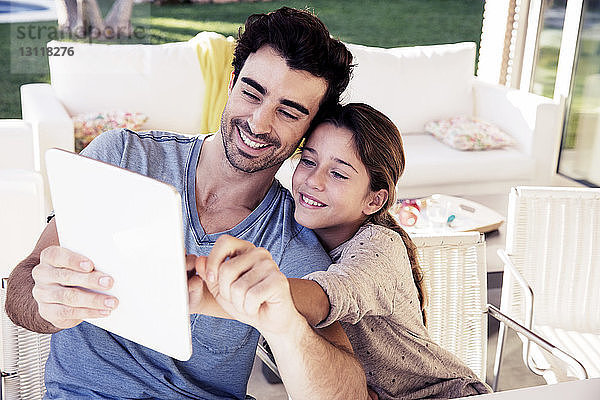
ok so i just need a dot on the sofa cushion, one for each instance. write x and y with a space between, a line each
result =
163 82
469 133
430 162
413 85
88 126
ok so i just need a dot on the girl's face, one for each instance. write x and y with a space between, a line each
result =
331 184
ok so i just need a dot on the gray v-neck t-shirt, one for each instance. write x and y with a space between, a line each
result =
89 362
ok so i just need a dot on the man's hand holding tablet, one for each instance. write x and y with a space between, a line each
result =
66 288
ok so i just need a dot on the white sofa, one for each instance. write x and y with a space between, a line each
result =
415 85
162 81
412 85
22 213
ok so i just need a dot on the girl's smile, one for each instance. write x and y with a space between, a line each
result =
331 186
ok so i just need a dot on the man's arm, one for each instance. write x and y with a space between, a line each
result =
50 289
247 283
317 366
20 305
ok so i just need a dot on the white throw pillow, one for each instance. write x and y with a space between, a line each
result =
88 126
468 133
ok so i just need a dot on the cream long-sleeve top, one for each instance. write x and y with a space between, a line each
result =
372 293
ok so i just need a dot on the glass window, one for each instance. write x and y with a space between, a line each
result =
552 21
580 148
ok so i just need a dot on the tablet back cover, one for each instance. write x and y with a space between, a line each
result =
130 226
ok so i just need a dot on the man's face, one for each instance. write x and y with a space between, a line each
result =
269 109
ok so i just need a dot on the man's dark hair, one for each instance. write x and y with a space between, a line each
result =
304 42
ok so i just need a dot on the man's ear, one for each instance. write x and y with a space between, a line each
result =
376 201
231 80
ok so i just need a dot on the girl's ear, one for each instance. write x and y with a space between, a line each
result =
230 82
376 201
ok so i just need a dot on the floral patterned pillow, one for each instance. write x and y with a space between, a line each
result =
468 133
88 126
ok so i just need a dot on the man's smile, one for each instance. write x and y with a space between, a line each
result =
251 143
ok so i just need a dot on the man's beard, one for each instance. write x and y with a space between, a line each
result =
243 161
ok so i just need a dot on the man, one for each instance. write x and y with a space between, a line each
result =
286 69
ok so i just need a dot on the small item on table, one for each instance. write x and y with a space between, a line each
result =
451 219
438 209
407 212
443 213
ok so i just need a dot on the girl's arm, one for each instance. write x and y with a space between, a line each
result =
361 285
310 300
369 278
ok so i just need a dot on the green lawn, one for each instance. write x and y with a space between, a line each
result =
370 22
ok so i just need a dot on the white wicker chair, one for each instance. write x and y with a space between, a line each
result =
551 278
455 276
22 353
24 358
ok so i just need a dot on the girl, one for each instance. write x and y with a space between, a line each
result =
343 188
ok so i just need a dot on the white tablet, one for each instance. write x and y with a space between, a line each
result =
130 226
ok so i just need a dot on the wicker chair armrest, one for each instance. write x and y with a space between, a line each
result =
264 353
511 269
537 339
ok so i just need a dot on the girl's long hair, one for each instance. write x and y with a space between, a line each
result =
378 143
